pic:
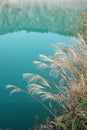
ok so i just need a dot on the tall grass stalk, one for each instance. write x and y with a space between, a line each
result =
68 68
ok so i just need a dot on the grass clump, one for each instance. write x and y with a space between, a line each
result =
83 30
66 87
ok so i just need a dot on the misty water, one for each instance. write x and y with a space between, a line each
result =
28 29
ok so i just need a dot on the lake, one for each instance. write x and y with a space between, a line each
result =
27 29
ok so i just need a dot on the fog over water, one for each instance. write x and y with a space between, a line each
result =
72 4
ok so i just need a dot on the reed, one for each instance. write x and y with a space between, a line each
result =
68 67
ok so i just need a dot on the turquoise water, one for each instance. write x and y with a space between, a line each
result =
24 34
17 51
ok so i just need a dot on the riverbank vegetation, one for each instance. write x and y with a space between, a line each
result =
83 30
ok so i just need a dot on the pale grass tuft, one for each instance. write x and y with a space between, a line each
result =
45 58
15 89
40 65
29 77
48 96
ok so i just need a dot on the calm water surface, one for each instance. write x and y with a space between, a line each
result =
25 32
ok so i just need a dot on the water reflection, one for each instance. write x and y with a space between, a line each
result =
41 18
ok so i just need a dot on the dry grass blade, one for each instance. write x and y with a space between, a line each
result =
35 78
15 89
34 88
45 58
40 65
11 86
48 96
58 51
